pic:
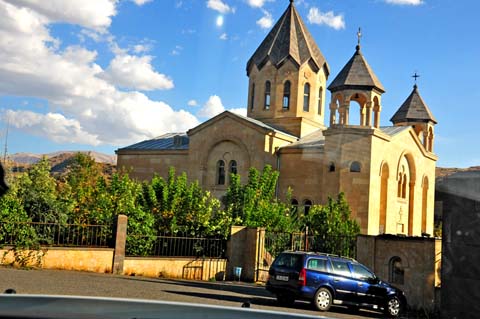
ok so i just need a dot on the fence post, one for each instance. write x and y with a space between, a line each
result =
120 242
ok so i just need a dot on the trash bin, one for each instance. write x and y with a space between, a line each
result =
238 272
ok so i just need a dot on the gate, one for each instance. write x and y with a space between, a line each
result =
271 244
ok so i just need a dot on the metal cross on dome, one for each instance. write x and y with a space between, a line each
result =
415 76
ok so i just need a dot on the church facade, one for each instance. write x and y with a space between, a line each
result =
386 173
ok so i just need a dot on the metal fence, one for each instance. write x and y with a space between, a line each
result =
53 234
179 244
341 245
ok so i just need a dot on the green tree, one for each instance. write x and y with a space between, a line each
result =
335 232
255 205
37 192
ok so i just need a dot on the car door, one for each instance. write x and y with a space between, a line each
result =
368 289
318 271
341 281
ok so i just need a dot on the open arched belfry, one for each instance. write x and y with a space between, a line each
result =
386 172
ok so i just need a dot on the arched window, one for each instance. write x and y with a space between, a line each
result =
267 95
306 97
331 167
252 96
307 204
320 95
294 206
221 172
395 271
286 95
355 167
233 167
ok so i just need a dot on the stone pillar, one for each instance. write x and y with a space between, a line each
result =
363 112
120 242
376 120
346 113
243 251
368 121
333 114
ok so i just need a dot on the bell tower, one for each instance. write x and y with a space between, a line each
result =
287 78
356 82
414 112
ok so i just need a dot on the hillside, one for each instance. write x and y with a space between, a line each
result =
59 161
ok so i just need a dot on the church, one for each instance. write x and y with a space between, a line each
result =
387 173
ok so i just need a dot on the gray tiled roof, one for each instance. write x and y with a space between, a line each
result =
393 130
356 73
413 109
288 38
312 140
167 141
261 124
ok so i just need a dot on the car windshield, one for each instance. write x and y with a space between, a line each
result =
149 144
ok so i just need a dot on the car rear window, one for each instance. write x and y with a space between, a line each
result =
317 264
289 261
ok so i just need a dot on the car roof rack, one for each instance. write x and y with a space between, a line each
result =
320 254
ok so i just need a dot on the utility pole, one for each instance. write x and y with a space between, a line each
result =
6 142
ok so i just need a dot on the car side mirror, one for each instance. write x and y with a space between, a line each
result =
373 280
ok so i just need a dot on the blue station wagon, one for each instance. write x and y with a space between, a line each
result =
327 279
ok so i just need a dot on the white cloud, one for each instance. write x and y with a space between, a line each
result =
220 6
61 129
88 108
95 14
135 72
178 49
239 111
315 16
141 2
266 21
212 107
140 48
256 3
223 36
405 2
192 103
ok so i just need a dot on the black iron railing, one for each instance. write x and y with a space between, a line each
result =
178 244
53 234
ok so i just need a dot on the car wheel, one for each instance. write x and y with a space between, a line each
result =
393 307
323 299
285 299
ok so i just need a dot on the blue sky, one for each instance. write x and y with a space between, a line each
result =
103 74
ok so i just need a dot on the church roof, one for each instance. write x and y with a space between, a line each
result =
312 140
289 38
413 109
356 73
169 141
393 130
263 125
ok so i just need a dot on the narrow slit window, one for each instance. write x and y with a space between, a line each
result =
286 96
267 95
306 97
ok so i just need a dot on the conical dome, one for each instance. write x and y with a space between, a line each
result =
289 38
356 74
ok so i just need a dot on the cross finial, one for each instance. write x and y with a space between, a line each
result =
359 35
415 76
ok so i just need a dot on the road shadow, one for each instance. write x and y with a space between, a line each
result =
271 302
246 289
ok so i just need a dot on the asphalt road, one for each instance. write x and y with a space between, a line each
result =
59 282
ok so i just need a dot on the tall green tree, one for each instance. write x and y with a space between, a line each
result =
255 205
37 192
334 230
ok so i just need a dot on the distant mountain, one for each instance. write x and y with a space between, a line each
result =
60 161
31 158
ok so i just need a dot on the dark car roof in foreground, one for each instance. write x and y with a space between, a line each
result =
72 307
